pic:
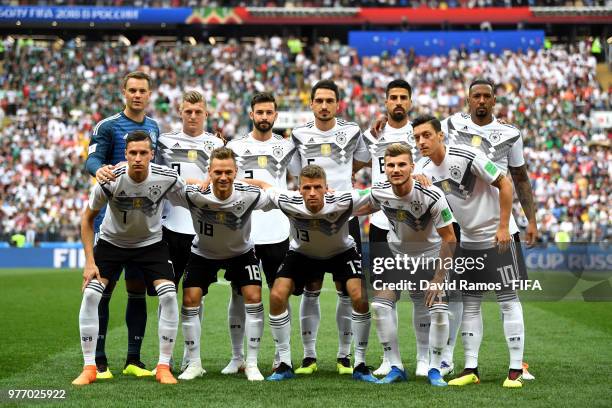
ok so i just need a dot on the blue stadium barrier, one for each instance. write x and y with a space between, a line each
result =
42 258
370 43
574 258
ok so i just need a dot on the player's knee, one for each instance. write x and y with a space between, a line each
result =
250 298
191 299
277 297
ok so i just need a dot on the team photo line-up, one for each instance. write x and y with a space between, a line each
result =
188 203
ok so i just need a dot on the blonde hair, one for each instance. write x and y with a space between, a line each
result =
397 149
192 97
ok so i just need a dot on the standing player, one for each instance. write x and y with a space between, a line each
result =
398 130
320 242
130 234
503 145
481 198
188 152
420 221
222 221
338 147
106 150
264 156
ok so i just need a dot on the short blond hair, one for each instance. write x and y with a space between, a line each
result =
192 97
397 149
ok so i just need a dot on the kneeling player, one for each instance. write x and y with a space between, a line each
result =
320 242
420 220
222 221
130 235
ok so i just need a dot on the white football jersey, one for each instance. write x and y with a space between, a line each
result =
190 157
223 227
501 143
133 218
465 176
334 150
326 233
414 218
377 148
268 161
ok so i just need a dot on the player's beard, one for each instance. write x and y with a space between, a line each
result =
482 113
263 126
397 116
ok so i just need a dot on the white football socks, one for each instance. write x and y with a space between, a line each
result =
192 330
344 309
514 327
471 328
360 323
253 330
236 321
438 334
280 326
420 322
385 316
310 318
168 320
88 320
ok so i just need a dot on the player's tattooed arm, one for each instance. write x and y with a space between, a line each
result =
502 236
520 177
90 271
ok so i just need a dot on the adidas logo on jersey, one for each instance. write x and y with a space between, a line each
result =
311 140
176 145
247 151
122 193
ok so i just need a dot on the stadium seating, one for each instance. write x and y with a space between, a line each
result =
53 93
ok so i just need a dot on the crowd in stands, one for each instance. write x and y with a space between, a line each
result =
51 96
309 3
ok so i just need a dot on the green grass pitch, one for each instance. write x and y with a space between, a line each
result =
568 346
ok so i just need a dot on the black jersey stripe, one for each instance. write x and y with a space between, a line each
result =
458 151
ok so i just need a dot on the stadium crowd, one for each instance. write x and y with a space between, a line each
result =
309 3
52 95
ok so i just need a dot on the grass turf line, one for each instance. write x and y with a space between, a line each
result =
567 347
